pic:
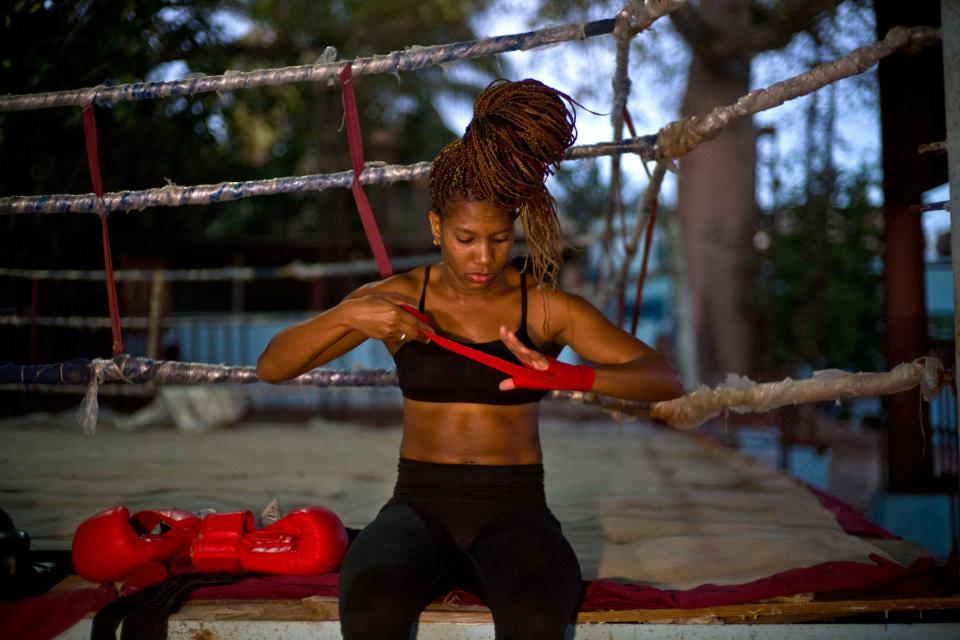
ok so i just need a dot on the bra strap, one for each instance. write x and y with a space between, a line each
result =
523 301
423 293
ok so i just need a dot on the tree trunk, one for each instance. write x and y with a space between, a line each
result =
717 210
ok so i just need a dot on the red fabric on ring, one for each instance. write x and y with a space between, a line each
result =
93 161
643 265
356 156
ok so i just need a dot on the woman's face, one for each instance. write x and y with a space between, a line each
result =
475 240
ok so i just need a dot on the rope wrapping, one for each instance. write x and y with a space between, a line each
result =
177 196
743 395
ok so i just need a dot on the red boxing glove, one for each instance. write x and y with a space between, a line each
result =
558 376
217 548
112 545
307 541
311 540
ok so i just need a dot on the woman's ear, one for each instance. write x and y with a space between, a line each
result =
435 226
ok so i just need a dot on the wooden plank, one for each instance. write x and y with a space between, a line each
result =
793 609
772 613
780 612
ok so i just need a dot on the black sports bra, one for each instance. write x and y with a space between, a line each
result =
430 373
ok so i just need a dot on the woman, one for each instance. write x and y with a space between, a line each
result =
468 509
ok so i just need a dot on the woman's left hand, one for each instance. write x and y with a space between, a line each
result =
527 356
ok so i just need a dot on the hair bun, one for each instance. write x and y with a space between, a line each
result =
519 131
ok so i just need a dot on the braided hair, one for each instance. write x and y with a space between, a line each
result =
519 133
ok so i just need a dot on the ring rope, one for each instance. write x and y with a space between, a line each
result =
292 271
177 196
227 319
738 394
414 57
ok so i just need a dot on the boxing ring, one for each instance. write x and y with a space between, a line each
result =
672 530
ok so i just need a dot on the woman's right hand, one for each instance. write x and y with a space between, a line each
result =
380 316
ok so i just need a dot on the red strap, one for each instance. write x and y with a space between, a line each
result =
643 269
520 373
356 155
483 358
646 247
90 136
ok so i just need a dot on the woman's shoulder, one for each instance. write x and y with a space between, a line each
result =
407 284
552 296
560 306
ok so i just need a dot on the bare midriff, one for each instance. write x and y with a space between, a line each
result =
465 433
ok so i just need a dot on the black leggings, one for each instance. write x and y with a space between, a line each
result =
484 529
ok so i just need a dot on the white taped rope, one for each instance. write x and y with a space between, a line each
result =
742 395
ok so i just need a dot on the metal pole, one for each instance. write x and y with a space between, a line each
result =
950 35
950 17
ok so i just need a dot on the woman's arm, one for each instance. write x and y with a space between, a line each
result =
625 367
372 311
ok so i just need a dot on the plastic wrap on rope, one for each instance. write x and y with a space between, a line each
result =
414 57
177 196
126 368
134 369
742 395
680 137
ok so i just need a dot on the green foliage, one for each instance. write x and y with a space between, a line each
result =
818 291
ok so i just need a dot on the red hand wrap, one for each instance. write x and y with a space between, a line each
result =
557 376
